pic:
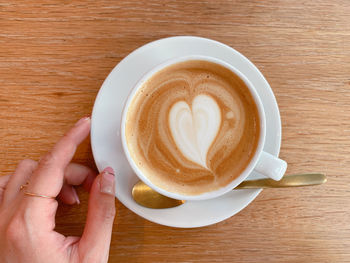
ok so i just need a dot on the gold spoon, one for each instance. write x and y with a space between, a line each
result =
147 197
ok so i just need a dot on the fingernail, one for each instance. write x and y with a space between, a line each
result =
107 181
77 201
82 120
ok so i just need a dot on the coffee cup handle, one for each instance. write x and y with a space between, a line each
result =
271 166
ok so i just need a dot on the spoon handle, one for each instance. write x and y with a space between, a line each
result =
295 180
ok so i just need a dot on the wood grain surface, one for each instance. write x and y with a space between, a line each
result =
54 56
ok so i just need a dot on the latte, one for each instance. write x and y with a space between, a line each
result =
192 127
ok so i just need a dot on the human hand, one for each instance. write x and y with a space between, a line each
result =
27 222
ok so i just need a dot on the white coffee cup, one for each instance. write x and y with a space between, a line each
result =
262 162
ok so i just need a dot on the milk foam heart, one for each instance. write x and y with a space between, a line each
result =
194 130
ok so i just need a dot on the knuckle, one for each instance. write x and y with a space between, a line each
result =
47 159
14 230
65 146
110 214
67 138
27 163
68 142
107 212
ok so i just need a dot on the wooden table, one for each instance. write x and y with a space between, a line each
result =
55 55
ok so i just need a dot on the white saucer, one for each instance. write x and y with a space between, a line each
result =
106 117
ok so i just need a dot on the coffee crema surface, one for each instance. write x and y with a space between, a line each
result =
192 127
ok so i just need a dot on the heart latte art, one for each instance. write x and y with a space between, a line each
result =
192 127
195 129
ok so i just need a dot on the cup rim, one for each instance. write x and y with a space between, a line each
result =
248 169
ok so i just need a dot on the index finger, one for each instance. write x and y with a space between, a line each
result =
47 179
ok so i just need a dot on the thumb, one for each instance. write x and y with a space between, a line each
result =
95 241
